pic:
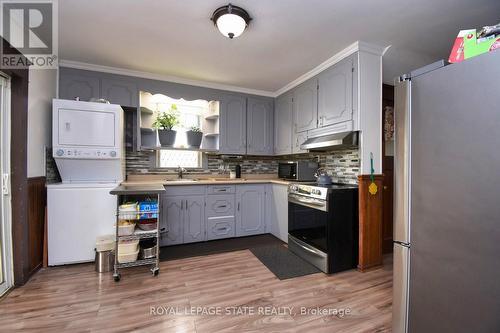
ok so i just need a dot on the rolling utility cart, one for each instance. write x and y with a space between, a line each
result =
137 205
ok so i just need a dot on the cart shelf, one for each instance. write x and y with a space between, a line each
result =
123 194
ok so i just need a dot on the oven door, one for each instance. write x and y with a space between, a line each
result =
307 221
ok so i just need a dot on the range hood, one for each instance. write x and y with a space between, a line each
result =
331 141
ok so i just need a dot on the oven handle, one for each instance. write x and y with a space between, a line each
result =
307 247
308 203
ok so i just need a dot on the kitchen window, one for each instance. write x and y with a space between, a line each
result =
190 114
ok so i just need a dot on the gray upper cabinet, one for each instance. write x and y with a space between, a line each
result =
305 105
172 220
120 92
335 93
232 125
283 124
81 86
250 215
194 219
260 123
298 140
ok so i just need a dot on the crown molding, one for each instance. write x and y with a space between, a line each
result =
351 49
357 46
160 77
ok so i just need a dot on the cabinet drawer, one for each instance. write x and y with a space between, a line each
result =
184 190
220 205
220 227
221 189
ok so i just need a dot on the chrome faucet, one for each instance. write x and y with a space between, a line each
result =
180 172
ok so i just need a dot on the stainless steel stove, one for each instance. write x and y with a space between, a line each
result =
323 224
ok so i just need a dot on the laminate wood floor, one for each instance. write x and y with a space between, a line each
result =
77 299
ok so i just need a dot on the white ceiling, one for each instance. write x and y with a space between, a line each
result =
285 39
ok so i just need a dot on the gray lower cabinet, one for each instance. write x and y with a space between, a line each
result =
260 124
283 124
335 97
172 216
219 227
220 212
84 87
182 219
250 214
194 219
120 92
233 125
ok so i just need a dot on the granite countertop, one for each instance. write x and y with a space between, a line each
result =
169 181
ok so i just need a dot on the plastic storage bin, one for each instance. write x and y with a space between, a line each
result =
128 211
126 229
127 257
127 246
105 243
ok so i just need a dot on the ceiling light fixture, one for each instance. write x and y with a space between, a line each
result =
231 20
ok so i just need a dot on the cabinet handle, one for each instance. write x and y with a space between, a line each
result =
185 204
222 206
221 229
238 206
182 204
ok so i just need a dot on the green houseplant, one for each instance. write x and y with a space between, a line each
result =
194 137
165 123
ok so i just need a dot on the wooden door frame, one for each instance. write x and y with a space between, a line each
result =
19 172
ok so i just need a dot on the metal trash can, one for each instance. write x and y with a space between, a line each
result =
104 261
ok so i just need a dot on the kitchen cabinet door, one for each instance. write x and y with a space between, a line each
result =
305 106
84 87
172 215
298 139
120 92
250 206
194 219
335 93
279 213
260 123
233 125
283 125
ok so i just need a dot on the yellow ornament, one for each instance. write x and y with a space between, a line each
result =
373 189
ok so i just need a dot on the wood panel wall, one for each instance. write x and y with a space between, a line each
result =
370 223
37 200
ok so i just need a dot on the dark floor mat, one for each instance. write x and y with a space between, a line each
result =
283 263
174 252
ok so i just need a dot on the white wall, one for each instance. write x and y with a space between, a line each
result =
42 89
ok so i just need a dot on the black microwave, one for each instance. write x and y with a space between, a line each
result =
297 170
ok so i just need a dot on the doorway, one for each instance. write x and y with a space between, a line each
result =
6 269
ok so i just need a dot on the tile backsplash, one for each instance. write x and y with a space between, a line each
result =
342 165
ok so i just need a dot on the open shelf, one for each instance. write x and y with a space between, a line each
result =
212 117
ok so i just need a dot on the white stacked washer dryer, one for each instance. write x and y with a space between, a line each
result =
87 143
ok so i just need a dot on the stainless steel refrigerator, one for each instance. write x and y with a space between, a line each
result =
447 198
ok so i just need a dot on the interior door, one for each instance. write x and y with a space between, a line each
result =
5 226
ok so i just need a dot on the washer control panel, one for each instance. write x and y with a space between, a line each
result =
85 153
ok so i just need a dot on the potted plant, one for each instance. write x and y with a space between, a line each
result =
194 137
164 123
